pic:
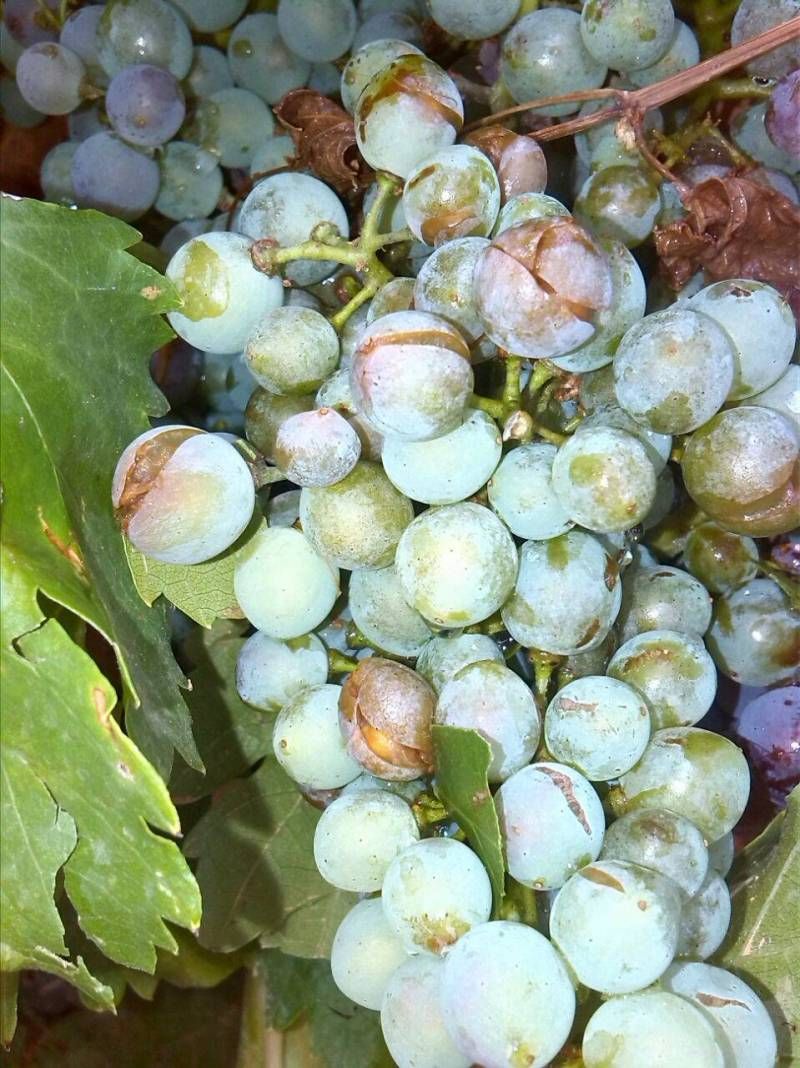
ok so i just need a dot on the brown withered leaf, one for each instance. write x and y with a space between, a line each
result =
734 228
325 139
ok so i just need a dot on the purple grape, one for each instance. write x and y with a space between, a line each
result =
109 175
769 729
28 23
79 33
145 105
783 114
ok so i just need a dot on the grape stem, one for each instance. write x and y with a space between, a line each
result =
339 664
543 666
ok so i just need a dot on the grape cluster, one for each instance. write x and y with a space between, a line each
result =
522 493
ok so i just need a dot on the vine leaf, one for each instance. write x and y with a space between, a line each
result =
79 320
256 869
462 764
763 943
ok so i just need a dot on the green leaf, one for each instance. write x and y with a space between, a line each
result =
123 879
79 320
231 735
462 764
763 942
256 869
194 966
203 592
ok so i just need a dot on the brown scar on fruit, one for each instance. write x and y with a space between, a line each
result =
67 551
564 784
713 1001
602 878
576 706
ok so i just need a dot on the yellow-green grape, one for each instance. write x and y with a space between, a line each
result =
658 446
444 285
452 193
525 207
265 414
291 350
784 395
663 598
755 635
269 672
365 954
412 1017
619 203
365 62
316 448
661 840
720 560
308 743
382 615
521 492
443 658
683 52
627 34
705 919
397 295
473 20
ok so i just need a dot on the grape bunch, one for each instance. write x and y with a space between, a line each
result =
515 487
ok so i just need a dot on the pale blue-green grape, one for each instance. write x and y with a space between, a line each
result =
750 134
683 52
597 390
407 110
271 154
286 208
182 232
611 151
182 496
291 350
720 560
411 375
737 1015
489 698
283 510
705 919
222 295
473 20
368 8
56 173
79 33
672 209
409 791
673 672
50 78
521 492
626 308
433 893
527 206
456 564
208 73
663 598
654 1028
365 63
598 725
209 16
658 446
616 924
593 661
230 123
335 393
365 953
551 823
674 369
396 295
308 743
283 586
15 107
749 312
783 396
191 182
270 672
358 837
317 32
145 105
11 49
588 141
317 448
755 16
619 203
448 469
663 502
604 479
113 177
453 192
260 60
382 615
443 658
543 55
755 635
721 853
324 78
567 594
264 415
627 34
358 522
507 996
386 26
661 840
412 1019
696 773
143 31
444 285
86 121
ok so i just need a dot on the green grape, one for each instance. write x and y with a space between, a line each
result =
543 55
308 743
683 52
389 26
444 284
382 615
604 479
507 997
616 923
695 773
750 311
269 672
56 173
434 892
317 32
592 662
208 73
143 31
397 295
261 61
474 19
357 522
325 78
658 446
452 193
627 34
292 350
720 560
191 182
359 835
274 152
598 725
720 854
456 564
15 108
443 658
567 594
317 448
521 492
653 1027
283 510
489 698
551 822
755 635
737 1015
619 203
663 598
364 63
230 124
412 1019
335 393
784 395
408 790
448 469
209 16
597 390
265 414
528 206
673 370
705 919
365 954
661 840
672 671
